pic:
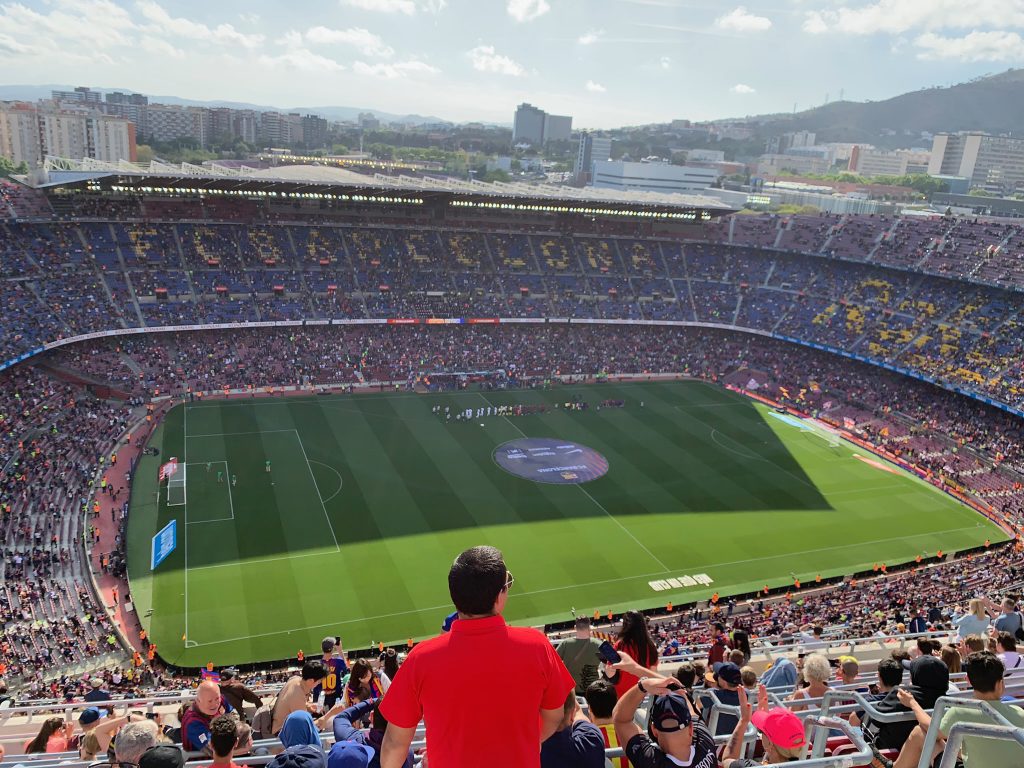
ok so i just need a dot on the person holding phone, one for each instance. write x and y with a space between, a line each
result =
636 640
676 738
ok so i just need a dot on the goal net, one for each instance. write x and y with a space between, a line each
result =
821 434
176 487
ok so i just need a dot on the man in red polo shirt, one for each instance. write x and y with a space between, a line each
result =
444 681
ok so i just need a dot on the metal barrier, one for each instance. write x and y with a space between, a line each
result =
945 703
960 730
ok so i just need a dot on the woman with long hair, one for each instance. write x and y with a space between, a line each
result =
636 640
388 668
974 622
363 682
52 737
741 642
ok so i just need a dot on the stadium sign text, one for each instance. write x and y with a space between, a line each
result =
681 582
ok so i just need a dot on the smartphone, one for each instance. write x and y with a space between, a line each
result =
608 653
674 687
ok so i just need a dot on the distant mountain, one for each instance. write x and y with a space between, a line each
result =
993 104
34 92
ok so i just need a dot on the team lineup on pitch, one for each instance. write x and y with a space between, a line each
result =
326 509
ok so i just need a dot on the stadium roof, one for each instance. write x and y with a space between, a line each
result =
60 172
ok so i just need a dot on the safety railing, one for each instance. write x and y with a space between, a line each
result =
941 707
961 730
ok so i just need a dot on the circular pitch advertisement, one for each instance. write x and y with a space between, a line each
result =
549 460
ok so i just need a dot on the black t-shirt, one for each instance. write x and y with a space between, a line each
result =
644 753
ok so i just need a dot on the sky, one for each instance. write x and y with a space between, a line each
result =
608 63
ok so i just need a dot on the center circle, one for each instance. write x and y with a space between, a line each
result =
550 460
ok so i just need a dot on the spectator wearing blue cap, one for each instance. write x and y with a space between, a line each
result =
348 727
675 738
302 756
98 722
298 730
724 680
349 754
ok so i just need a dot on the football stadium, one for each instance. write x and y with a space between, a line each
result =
247 410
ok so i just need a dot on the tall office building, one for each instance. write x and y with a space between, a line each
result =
992 163
557 127
528 125
80 95
777 145
29 133
19 133
592 149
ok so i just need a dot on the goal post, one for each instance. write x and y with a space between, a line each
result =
176 483
822 434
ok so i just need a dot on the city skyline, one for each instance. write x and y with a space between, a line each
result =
607 64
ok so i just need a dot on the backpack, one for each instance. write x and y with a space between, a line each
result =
263 721
1019 634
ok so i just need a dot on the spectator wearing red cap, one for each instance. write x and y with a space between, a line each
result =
782 733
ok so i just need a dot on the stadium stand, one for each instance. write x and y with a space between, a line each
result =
937 296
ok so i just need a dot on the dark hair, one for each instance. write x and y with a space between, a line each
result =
314 670
1007 641
476 579
817 629
741 640
389 663
50 726
355 685
601 698
636 639
984 671
900 654
927 646
223 735
686 673
890 672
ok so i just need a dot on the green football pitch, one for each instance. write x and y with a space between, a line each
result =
370 497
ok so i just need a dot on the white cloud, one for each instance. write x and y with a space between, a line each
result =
595 87
666 62
898 16
395 70
741 20
814 23
408 7
485 59
303 59
366 42
976 46
590 37
742 89
160 47
82 23
527 10
182 27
